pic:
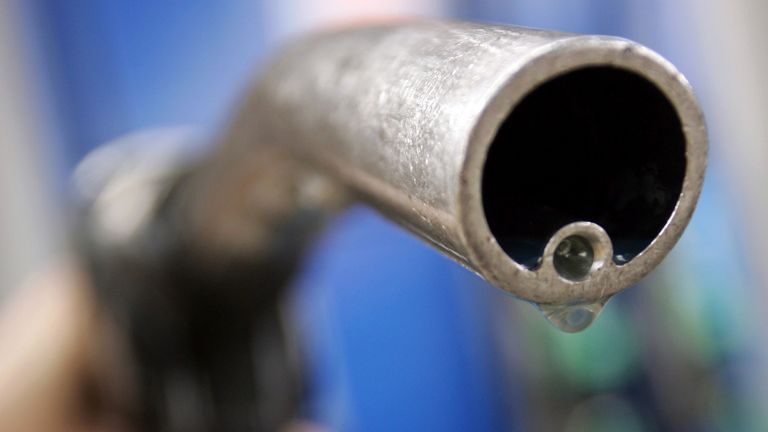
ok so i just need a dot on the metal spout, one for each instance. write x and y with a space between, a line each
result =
490 143
561 168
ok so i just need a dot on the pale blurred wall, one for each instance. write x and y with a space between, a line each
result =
29 220
733 40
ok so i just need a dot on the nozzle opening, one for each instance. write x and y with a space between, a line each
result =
598 144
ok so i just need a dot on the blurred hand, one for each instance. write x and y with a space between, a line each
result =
63 367
60 363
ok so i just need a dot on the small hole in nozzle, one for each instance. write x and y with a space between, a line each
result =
573 258
598 144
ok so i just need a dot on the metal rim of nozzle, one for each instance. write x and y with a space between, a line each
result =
544 285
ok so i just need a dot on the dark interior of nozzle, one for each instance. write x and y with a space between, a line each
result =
598 144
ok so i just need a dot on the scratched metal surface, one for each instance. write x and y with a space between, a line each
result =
403 116
398 117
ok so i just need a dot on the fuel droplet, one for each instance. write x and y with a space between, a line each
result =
574 317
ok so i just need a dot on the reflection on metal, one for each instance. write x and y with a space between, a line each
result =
499 146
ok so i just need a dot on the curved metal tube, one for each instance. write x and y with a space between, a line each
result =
418 118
